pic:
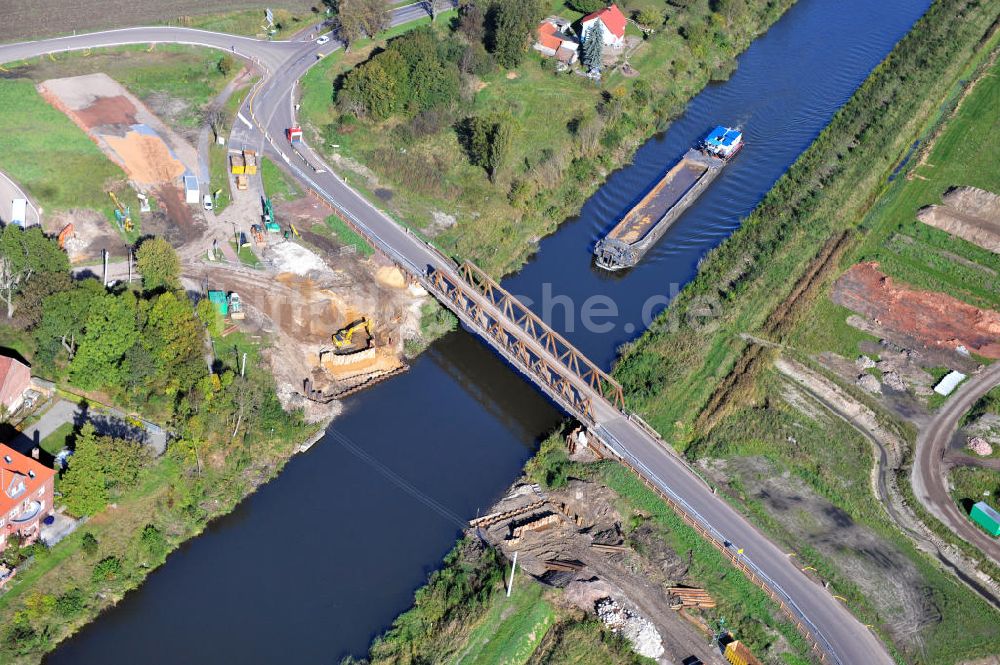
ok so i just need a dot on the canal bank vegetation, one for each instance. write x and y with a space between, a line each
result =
462 614
758 435
462 130
671 375
148 352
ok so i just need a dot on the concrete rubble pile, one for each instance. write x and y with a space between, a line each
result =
640 632
979 446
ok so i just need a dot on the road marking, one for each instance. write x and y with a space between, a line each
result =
244 120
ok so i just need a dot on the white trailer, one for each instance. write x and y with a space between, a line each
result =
19 212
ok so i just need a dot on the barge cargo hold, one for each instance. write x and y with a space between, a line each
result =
646 223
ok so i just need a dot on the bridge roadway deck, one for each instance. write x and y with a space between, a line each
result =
838 633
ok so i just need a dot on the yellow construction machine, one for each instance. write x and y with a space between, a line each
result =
343 338
123 214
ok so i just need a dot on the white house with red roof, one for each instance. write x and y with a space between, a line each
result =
612 23
553 39
26 487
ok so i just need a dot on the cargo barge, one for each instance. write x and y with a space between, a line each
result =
646 223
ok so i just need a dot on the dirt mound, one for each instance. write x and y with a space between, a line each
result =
969 213
974 201
117 110
932 319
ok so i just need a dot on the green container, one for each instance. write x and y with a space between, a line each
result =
985 516
218 298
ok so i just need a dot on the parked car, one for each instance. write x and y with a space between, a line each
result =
208 202
323 40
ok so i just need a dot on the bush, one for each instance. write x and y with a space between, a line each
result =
88 543
152 541
71 603
107 569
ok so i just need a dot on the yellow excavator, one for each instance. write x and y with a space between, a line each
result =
122 213
343 338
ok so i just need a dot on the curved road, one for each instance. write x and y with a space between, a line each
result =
928 475
270 108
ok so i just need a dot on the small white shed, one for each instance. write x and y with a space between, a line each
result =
192 192
950 381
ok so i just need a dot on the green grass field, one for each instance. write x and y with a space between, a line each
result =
348 236
973 484
277 185
59 439
251 22
512 628
922 255
50 156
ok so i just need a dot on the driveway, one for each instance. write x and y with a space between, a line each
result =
106 421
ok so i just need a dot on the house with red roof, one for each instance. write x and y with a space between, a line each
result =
612 24
554 40
26 487
15 379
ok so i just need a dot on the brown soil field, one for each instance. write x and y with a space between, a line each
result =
930 319
108 111
33 19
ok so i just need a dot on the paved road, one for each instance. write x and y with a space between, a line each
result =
928 475
270 108
10 190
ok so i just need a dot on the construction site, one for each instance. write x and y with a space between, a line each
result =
576 540
330 320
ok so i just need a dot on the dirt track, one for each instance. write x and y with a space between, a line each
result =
28 19
928 476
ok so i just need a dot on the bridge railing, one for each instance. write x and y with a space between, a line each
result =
552 342
504 335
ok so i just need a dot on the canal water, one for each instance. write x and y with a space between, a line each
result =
321 559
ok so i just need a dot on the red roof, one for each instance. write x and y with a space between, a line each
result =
611 17
17 471
15 378
546 36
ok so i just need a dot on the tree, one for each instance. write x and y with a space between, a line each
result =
649 17
100 467
64 316
587 6
25 253
472 22
355 18
510 25
488 139
31 303
110 331
107 569
593 47
226 64
158 264
153 541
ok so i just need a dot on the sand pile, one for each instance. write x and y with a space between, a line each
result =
145 157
